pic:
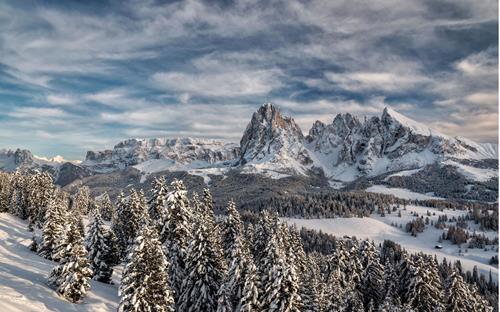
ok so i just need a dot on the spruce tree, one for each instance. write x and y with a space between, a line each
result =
204 270
232 232
457 294
176 235
249 299
71 277
311 291
372 284
158 200
118 224
144 285
239 288
107 209
53 229
279 280
82 200
98 250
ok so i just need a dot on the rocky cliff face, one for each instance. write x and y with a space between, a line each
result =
271 138
348 148
179 150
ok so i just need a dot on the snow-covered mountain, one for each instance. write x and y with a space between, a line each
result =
63 171
162 154
348 148
389 147
273 143
23 159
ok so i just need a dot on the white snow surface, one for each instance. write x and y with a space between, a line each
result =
473 173
23 277
379 228
404 173
399 192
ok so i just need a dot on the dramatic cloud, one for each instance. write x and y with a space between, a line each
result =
80 75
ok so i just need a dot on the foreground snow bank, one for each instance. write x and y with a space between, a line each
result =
23 276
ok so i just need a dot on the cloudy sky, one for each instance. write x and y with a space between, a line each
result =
84 75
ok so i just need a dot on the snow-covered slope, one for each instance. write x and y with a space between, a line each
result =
159 154
23 276
379 228
347 148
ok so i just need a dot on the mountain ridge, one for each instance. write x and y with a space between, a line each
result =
273 144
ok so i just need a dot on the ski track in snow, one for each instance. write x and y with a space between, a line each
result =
23 277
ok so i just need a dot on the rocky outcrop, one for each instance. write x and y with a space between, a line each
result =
178 150
271 138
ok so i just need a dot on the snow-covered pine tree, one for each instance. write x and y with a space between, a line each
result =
426 288
53 228
107 209
43 191
390 288
5 190
407 275
98 249
118 224
204 268
232 232
479 303
176 235
208 215
334 293
133 216
82 200
249 300
372 283
367 252
457 294
114 256
239 290
311 287
354 303
280 287
262 234
71 277
144 285
158 200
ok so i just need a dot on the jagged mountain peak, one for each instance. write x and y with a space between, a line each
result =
271 137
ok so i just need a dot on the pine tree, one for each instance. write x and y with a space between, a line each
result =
144 285
457 294
426 289
311 291
334 293
98 250
204 271
232 232
53 229
107 209
158 200
71 277
118 224
239 288
372 284
354 302
82 200
176 235
279 280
